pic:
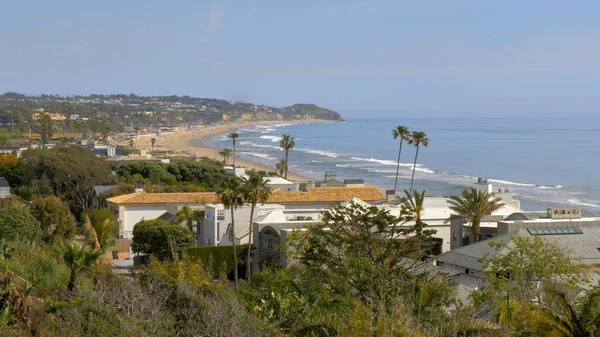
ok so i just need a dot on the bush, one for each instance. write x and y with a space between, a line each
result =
218 260
55 218
160 239
16 223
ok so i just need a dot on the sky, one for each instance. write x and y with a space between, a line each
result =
388 58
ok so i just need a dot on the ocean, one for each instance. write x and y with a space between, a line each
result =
544 162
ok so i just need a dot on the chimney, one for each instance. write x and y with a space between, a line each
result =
390 195
139 188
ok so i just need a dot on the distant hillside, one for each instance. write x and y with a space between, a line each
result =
118 111
312 110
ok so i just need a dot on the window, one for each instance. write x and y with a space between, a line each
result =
468 271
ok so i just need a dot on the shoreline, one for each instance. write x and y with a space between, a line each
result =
185 141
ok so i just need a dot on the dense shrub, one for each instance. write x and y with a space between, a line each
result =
218 260
55 218
161 239
16 223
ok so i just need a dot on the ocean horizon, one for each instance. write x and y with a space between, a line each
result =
544 162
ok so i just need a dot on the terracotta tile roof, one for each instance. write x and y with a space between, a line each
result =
278 196
162 198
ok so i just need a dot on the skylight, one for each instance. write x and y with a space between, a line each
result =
555 231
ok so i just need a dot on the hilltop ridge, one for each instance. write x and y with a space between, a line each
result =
120 110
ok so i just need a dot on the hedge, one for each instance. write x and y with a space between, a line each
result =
219 259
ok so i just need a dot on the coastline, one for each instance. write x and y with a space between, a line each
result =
185 141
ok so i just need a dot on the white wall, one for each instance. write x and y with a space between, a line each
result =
135 213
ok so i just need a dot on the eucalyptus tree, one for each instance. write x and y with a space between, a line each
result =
474 205
231 195
417 139
256 190
401 132
233 136
287 143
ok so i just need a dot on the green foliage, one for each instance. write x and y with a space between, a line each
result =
161 239
55 218
78 258
192 172
71 172
105 226
11 169
16 223
218 260
363 248
474 205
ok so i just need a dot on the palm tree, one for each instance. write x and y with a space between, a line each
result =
186 214
225 153
153 141
417 138
131 143
414 203
256 191
78 259
286 143
231 196
281 166
401 132
473 206
233 136
570 318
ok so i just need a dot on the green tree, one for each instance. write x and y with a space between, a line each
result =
225 153
55 218
131 143
256 190
17 224
281 166
417 139
364 248
46 128
287 143
161 239
473 206
414 202
231 195
71 172
400 131
233 136
152 141
189 216
78 259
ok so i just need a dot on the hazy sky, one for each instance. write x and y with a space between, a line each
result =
365 58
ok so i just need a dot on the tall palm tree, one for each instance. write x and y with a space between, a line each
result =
414 203
417 138
256 191
570 318
225 153
78 259
401 132
281 166
231 195
233 136
153 141
286 143
473 206
186 214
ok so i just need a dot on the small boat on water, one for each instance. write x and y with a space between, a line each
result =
362 126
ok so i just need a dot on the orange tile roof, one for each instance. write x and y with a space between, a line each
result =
278 196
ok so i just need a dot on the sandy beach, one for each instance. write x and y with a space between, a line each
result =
184 141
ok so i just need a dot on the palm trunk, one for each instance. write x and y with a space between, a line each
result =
235 261
476 231
398 166
248 264
414 168
233 153
286 163
71 284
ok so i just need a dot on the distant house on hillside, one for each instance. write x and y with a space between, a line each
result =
4 188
